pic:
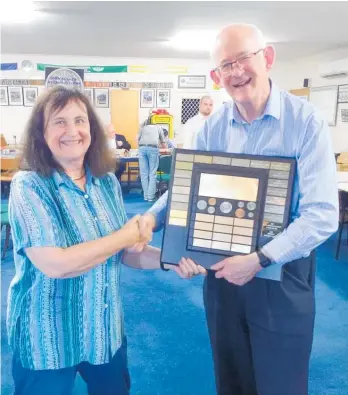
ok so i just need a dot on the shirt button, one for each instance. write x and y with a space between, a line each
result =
86 196
106 284
96 218
106 306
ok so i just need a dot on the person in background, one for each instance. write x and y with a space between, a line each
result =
121 142
117 141
260 327
150 137
170 143
194 124
71 235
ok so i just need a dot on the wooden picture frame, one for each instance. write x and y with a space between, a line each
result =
101 97
163 98
30 95
15 96
3 96
147 98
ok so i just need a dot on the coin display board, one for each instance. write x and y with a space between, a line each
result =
222 204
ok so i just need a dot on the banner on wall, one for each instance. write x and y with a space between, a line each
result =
70 78
86 69
95 84
8 81
138 69
176 69
9 66
128 85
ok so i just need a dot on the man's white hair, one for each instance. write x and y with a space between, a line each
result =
245 28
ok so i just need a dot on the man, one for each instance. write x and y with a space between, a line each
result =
261 330
117 141
194 124
150 138
121 142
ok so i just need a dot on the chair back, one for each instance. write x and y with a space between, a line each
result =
165 164
343 204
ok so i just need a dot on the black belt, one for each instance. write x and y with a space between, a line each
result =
148 145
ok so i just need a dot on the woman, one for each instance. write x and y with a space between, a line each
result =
70 234
149 138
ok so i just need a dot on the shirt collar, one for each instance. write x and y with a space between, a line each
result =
61 178
272 107
201 116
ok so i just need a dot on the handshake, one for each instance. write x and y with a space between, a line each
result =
139 230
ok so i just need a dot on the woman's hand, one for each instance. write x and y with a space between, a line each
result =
187 268
132 234
146 225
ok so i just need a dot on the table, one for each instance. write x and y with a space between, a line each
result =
135 159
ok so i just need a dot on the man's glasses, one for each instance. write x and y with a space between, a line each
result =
226 69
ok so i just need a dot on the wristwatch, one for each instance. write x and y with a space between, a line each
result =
264 260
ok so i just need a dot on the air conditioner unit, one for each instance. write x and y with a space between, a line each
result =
335 69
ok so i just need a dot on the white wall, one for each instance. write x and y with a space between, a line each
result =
291 75
288 75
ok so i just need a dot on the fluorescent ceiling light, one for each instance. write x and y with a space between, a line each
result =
201 41
18 12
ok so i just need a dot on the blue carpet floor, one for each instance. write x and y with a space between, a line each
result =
169 351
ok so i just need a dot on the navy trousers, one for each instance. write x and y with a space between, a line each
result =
261 333
108 379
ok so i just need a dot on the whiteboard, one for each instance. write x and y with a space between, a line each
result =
325 99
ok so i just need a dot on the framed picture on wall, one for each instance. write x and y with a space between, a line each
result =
343 94
163 98
89 93
191 81
147 98
101 97
15 96
3 96
30 96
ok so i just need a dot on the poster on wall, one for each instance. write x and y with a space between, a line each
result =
70 78
30 96
3 96
89 93
147 98
163 98
101 98
343 94
344 114
11 81
325 99
191 81
15 96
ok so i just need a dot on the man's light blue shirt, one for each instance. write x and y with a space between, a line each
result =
289 127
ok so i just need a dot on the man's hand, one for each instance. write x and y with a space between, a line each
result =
132 235
238 270
146 224
187 268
